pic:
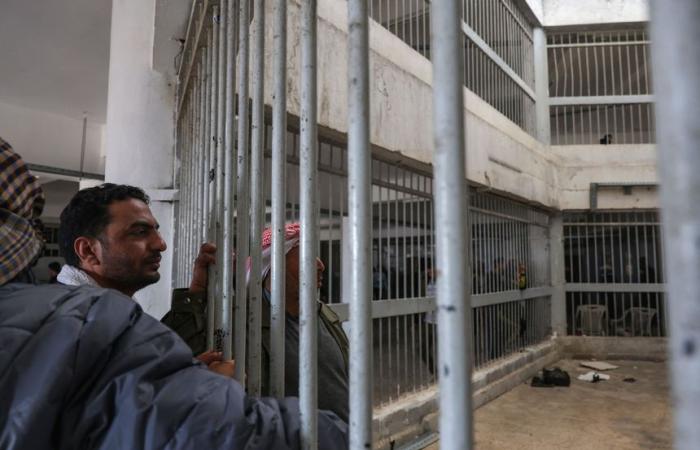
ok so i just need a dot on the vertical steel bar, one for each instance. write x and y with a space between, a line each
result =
207 192
279 182
224 167
454 309
257 207
329 231
243 186
222 314
359 213
396 238
308 192
201 174
380 265
193 168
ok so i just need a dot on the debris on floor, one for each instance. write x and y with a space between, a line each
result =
600 366
630 380
551 378
607 415
593 377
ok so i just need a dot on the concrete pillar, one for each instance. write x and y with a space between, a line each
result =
557 274
140 128
539 41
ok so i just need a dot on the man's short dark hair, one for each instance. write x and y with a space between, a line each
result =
87 214
55 266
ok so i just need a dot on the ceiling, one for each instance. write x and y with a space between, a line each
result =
55 55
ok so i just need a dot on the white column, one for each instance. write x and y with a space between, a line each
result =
541 85
140 128
557 275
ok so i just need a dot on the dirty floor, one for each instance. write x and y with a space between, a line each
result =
610 415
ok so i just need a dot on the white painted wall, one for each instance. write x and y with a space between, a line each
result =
140 134
537 8
51 139
584 12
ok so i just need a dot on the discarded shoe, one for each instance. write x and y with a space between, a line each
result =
556 377
551 378
593 377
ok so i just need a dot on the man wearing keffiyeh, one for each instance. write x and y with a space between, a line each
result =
333 346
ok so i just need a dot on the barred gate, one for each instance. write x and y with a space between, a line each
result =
508 239
506 236
230 167
615 283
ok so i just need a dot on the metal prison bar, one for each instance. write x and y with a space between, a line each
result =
600 87
677 69
402 232
498 52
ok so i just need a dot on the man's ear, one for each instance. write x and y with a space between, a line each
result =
88 251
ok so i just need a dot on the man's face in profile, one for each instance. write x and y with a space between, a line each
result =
131 246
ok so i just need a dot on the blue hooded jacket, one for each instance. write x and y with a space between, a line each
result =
86 368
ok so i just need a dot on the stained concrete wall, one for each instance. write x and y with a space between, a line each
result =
581 165
501 157
585 12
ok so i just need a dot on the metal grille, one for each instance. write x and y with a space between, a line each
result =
613 247
614 274
603 124
600 88
509 245
599 63
497 36
405 345
506 30
484 77
508 239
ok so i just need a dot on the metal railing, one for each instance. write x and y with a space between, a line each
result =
204 108
614 274
509 239
313 180
600 87
498 49
405 342
609 123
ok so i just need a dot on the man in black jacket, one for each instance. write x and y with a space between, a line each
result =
85 367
